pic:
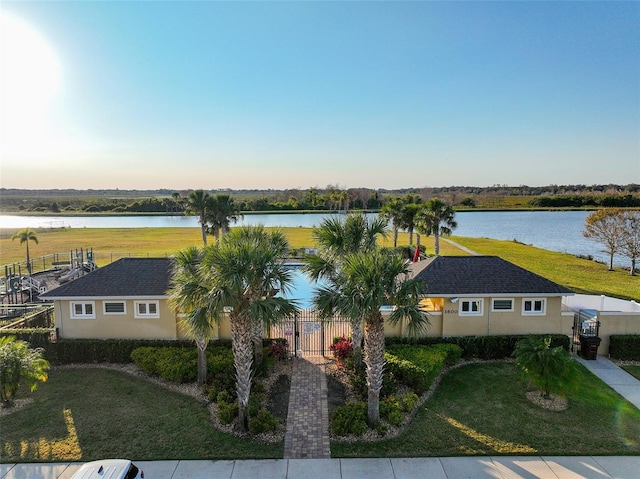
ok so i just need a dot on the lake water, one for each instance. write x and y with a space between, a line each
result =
553 230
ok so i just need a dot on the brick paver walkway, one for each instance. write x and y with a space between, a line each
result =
307 435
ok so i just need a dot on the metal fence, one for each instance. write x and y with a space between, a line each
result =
307 335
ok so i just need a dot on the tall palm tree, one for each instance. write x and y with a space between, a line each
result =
337 238
366 282
436 218
408 222
188 297
25 236
199 203
244 270
392 211
223 212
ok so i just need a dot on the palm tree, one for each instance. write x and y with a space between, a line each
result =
337 238
223 212
188 297
19 365
408 221
392 210
199 203
551 370
177 200
436 218
366 282
25 236
244 271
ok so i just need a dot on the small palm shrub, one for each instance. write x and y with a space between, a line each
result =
19 365
551 370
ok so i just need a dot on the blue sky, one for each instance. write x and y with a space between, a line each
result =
297 94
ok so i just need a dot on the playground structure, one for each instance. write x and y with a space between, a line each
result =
25 282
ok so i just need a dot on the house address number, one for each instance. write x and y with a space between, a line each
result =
451 311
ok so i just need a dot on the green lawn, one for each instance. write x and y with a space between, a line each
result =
88 414
481 409
581 275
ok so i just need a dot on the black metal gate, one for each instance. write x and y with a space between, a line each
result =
307 335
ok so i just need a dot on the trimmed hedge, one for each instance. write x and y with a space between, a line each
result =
416 366
625 347
69 351
482 347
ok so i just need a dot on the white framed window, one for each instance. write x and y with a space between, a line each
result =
471 307
534 306
502 304
114 307
83 310
147 309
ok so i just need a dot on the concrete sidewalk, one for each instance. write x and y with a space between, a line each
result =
494 467
617 378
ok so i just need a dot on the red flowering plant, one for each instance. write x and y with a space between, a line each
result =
341 348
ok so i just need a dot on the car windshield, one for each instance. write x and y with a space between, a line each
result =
132 473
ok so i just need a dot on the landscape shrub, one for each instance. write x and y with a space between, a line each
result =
263 421
227 411
220 370
178 365
625 347
349 419
407 373
279 349
146 359
342 349
409 401
391 409
417 366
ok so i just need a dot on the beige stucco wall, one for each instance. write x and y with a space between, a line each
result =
612 323
448 321
116 326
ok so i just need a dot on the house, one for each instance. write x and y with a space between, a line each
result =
125 299
464 295
486 295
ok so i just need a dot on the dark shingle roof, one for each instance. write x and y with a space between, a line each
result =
483 275
125 277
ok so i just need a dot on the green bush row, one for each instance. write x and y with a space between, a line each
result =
416 366
180 364
625 347
68 351
482 347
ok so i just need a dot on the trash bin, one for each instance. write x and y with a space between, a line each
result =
589 347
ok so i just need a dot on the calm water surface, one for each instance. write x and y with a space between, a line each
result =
553 230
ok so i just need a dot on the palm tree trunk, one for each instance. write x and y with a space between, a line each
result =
437 242
374 359
202 361
257 330
395 237
203 227
242 359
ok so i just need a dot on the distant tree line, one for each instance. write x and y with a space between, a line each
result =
330 198
582 201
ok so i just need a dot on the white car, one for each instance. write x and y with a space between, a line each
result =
109 469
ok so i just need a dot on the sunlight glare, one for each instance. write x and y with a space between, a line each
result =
30 78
